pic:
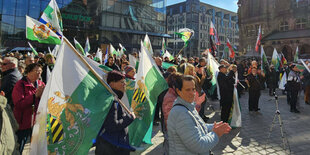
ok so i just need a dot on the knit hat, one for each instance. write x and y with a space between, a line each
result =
114 76
127 69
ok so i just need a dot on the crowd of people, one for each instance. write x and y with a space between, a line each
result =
180 109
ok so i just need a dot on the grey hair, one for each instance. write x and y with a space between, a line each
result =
12 60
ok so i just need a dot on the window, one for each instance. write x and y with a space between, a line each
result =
248 31
181 9
1 4
9 7
44 4
34 8
170 11
20 22
301 23
301 3
284 26
21 7
7 24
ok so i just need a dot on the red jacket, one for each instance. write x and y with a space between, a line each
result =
23 98
169 98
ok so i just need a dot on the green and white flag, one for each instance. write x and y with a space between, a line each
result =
99 55
264 62
37 31
275 60
149 84
87 47
79 47
212 69
72 108
33 50
51 17
166 65
113 51
180 57
147 44
185 34
283 82
132 60
296 55
123 49
167 54
235 114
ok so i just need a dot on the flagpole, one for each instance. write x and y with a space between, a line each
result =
96 75
180 51
303 63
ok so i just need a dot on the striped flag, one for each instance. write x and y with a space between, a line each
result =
231 50
70 104
149 84
259 37
213 32
37 31
51 17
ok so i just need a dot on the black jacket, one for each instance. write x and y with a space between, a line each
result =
44 72
272 79
114 66
8 81
226 85
255 82
115 127
306 79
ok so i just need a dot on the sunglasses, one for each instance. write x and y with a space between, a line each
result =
3 64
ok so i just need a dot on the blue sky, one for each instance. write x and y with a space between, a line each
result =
225 4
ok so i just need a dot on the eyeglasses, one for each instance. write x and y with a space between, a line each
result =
37 71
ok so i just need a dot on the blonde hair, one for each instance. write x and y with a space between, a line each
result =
188 67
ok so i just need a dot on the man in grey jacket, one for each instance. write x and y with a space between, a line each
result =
10 75
187 132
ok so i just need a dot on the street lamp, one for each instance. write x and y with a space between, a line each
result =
239 3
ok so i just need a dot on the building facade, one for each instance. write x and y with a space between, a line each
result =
197 16
285 26
103 21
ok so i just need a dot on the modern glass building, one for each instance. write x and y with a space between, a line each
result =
197 16
103 21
